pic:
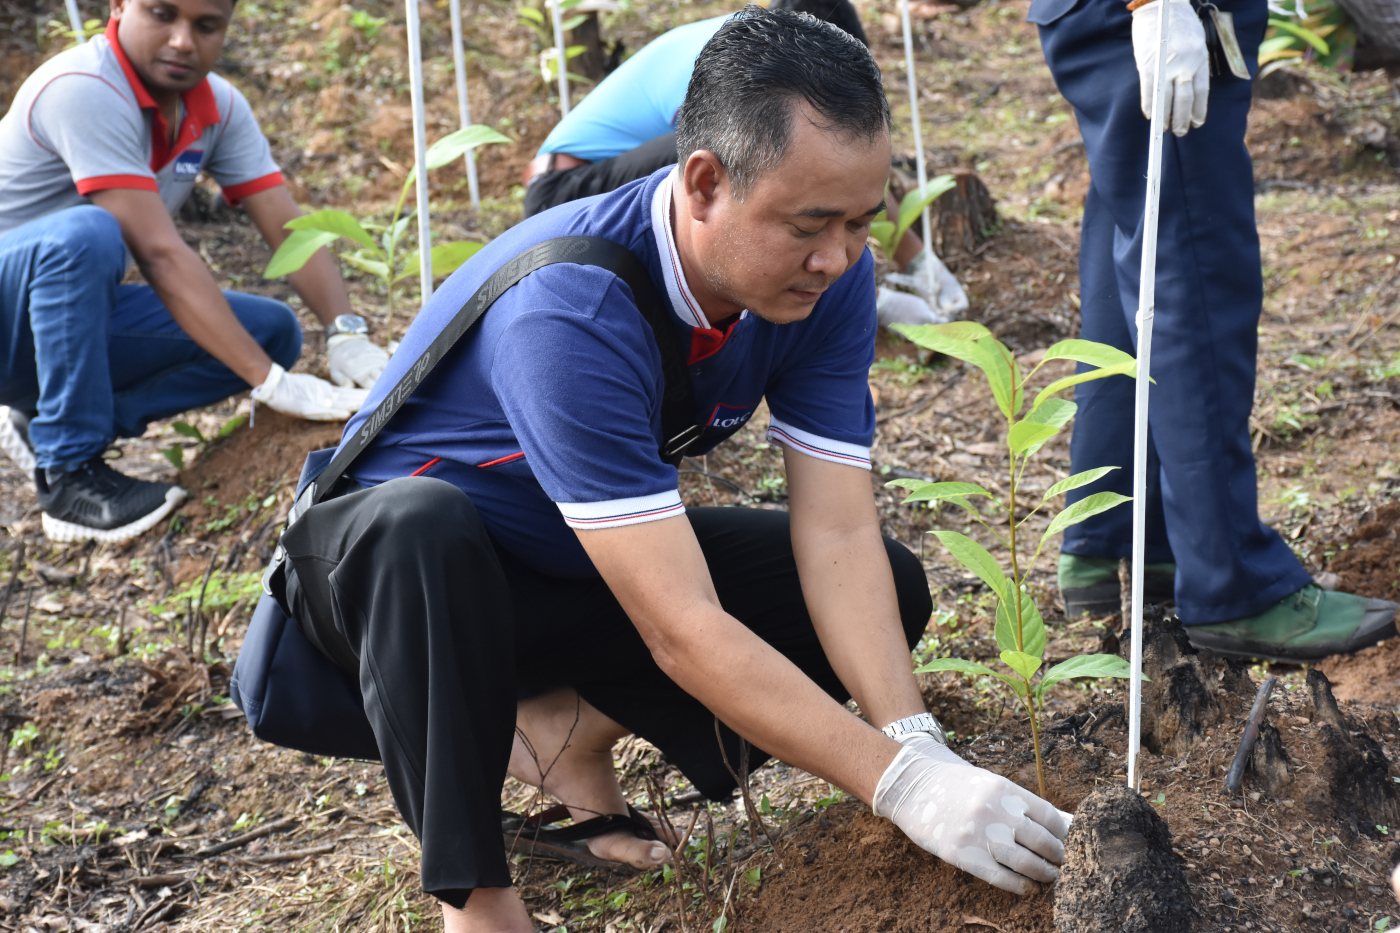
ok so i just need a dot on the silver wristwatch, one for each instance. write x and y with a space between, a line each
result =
347 324
923 722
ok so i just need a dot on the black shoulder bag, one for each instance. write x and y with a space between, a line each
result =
297 697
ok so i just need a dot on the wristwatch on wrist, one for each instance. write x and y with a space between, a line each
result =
923 722
347 324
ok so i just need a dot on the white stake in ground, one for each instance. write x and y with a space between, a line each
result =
76 19
562 62
464 107
919 165
1147 297
420 149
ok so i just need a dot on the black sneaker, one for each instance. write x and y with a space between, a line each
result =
14 438
95 501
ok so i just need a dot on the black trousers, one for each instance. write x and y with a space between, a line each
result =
563 185
446 632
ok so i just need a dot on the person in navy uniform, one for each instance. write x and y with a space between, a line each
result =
1239 589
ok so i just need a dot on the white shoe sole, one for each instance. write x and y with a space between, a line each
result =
14 446
58 530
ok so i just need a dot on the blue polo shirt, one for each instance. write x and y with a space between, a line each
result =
638 101
548 413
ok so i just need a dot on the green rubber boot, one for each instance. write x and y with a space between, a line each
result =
1308 625
1089 585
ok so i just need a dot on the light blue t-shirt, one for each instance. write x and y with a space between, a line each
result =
638 101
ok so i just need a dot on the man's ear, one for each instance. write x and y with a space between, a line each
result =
706 183
116 8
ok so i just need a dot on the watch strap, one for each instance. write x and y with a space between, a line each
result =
922 722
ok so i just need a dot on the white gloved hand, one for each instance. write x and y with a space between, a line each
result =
355 360
929 747
303 395
1187 63
927 275
892 307
971 818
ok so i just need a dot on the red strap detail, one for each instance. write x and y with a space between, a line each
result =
491 463
426 467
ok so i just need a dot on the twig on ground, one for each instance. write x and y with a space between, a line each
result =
1251 735
741 778
24 628
202 621
266 829
294 855
925 402
14 580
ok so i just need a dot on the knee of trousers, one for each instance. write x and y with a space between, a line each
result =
911 591
91 238
418 517
272 324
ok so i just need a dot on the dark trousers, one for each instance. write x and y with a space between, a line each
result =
446 631
1203 501
564 185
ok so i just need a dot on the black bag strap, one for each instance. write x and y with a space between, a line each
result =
678 423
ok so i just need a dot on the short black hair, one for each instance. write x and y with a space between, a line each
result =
753 72
838 13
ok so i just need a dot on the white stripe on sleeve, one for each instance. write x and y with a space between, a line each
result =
814 445
618 512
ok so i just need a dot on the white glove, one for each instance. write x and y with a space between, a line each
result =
929 747
971 818
303 395
892 307
355 360
1187 65
929 277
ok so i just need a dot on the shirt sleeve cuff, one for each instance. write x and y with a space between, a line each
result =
87 186
814 445
618 512
235 193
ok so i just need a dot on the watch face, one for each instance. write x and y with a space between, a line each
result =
349 324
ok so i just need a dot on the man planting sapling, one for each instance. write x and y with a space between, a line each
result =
512 550
102 144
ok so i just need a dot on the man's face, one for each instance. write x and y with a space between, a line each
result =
172 44
800 226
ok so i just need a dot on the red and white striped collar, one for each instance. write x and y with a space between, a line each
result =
683 301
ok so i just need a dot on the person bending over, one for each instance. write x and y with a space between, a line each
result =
625 129
102 145
513 551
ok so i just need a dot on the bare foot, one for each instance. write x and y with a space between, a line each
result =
488 910
569 755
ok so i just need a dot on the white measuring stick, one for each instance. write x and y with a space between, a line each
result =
464 107
76 19
919 165
563 63
1147 297
420 149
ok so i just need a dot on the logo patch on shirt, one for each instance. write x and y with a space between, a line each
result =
731 417
187 164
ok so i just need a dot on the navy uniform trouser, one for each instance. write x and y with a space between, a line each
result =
1203 501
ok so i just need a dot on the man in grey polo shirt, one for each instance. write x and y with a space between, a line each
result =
101 145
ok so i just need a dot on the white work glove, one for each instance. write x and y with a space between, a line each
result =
1187 64
971 818
929 277
303 395
892 307
355 360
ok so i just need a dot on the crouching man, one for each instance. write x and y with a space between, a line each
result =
514 553
101 147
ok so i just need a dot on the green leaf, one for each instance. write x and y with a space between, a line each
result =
176 456
1083 509
337 222
954 664
231 425
532 14
1077 480
985 352
372 266
924 491
1025 434
1032 627
1086 665
455 145
8 858
919 198
1307 35
976 558
1024 664
1059 385
1053 411
296 249
187 429
883 233
965 330
1087 351
572 23
448 257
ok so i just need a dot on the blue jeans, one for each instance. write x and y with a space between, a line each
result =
1202 504
97 359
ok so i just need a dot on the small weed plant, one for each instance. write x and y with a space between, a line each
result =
1019 628
382 249
888 232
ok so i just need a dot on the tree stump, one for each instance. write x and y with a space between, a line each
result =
1356 791
1120 874
1178 701
962 219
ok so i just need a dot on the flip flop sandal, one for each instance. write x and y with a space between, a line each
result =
530 834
